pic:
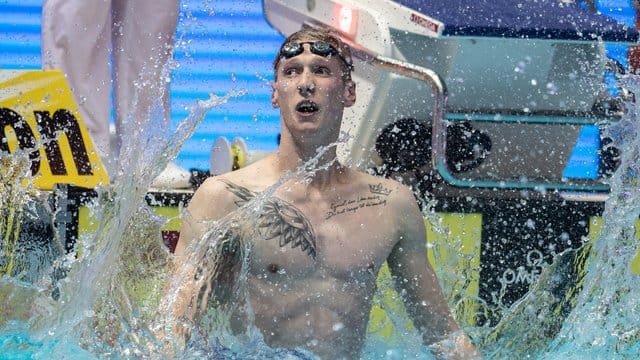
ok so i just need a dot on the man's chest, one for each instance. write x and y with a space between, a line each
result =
305 239
334 232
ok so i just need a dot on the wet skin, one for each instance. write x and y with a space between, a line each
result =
317 244
322 302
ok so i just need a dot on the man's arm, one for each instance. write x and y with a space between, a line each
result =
183 297
416 280
204 207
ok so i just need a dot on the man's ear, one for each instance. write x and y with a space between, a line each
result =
274 95
349 93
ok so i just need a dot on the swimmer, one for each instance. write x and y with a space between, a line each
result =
318 241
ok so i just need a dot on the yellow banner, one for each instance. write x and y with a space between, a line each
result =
39 116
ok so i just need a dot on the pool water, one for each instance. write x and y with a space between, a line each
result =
104 304
108 298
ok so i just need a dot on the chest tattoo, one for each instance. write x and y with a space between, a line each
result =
279 220
377 196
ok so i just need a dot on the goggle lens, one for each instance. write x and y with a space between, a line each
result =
321 48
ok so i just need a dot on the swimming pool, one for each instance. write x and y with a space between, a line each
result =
107 296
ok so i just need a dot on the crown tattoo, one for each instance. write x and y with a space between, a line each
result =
379 189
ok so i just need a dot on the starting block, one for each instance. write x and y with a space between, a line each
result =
228 156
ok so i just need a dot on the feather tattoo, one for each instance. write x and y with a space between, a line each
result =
279 220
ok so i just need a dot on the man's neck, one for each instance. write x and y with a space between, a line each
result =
320 167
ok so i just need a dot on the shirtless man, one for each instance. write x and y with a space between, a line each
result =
317 240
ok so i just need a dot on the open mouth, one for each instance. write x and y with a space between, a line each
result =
307 107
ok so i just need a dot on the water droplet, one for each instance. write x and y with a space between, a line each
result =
530 224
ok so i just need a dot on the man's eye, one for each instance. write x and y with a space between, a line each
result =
322 70
290 71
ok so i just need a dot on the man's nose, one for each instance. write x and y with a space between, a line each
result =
306 86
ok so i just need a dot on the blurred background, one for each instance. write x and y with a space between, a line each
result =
221 45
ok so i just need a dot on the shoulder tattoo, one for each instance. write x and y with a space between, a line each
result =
376 196
279 220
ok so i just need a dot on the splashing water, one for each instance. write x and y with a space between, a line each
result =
108 299
104 303
605 321
212 335
104 297
578 311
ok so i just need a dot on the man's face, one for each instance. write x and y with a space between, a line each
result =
311 92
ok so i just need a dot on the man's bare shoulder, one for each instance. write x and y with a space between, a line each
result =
256 177
211 186
398 193
225 191
211 199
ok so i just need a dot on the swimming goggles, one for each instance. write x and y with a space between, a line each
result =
320 47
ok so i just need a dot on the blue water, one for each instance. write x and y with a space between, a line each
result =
602 325
105 281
